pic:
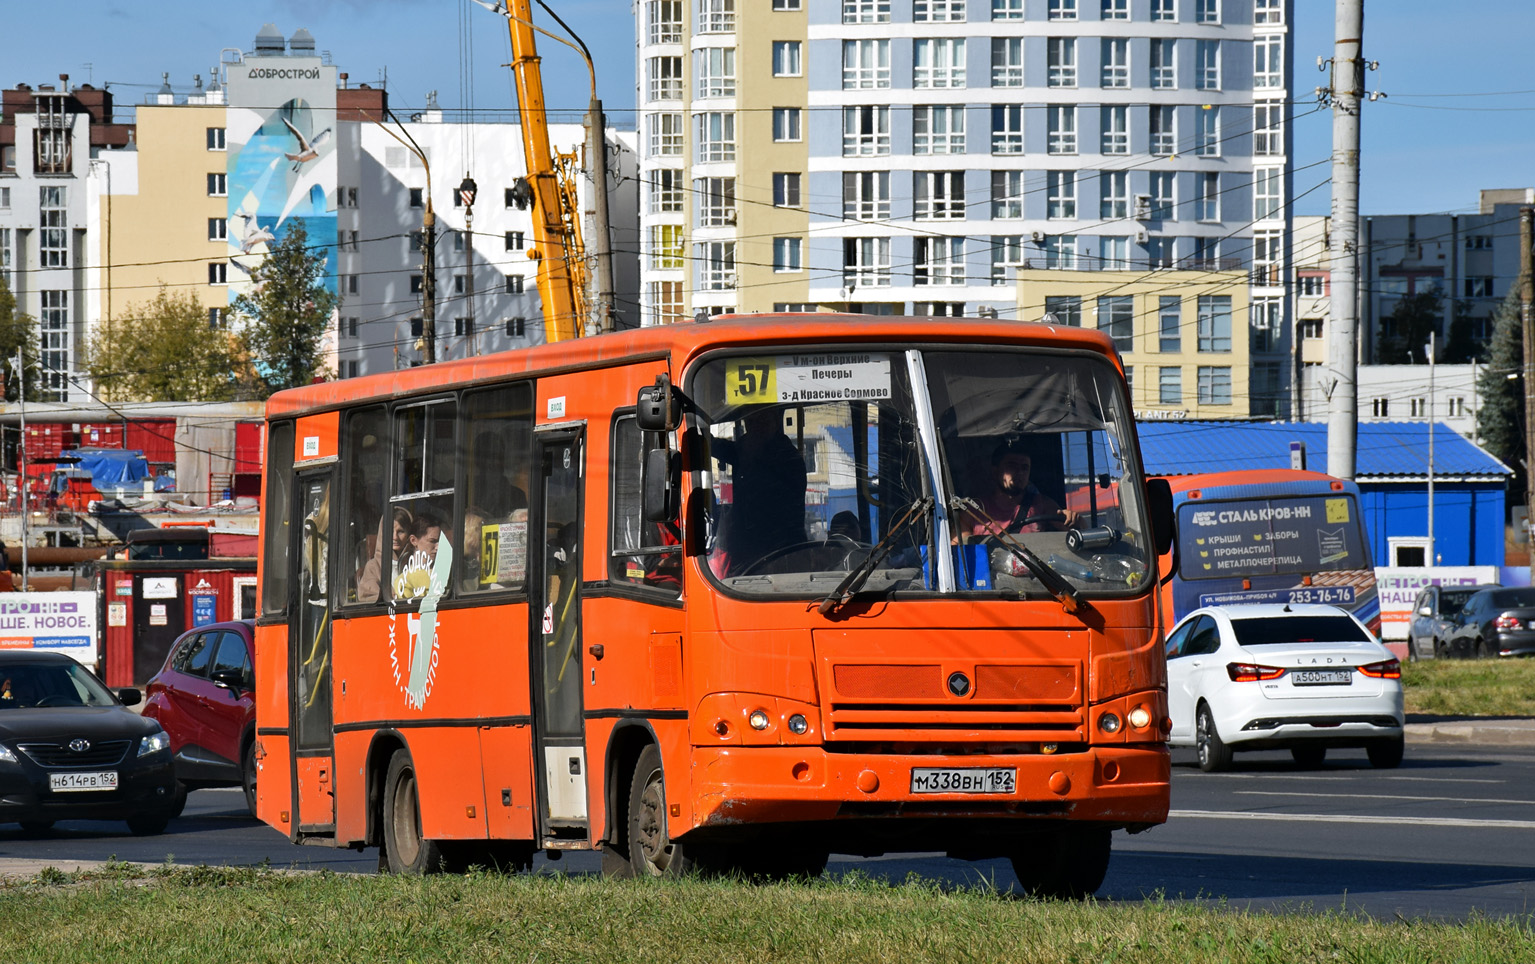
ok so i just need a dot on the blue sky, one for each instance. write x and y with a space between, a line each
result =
1456 118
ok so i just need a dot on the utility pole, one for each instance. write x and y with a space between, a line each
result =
1527 323
21 481
429 280
1433 352
602 242
1343 334
467 190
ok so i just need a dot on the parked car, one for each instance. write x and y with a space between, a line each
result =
205 698
1302 678
1495 622
1433 615
70 749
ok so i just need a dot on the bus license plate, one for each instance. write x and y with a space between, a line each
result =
1324 677
964 780
70 782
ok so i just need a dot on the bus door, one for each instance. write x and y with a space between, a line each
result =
555 611
309 652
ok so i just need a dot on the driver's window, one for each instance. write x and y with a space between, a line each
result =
232 656
199 655
1204 638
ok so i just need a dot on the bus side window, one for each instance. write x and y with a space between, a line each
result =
642 553
425 460
497 433
368 538
276 512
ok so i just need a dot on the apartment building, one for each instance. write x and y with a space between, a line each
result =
910 156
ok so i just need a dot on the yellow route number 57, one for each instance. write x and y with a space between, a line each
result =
751 381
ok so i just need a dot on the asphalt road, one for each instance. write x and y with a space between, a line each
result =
1449 834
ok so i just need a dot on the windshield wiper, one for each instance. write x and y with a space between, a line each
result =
855 580
1055 584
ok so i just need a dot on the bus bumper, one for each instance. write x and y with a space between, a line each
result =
1126 785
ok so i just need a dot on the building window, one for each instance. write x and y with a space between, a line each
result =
1268 11
1006 258
351 197
716 200
938 62
1479 287
1116 318
351 283
1061 59
1207 65
938 130
1164 10
865 64
715 134
1061 10
1268 61
866 262
865 195
1061 194
1267 257
1114 253
1268 129
514 241
786 58
218 272
1007 62
218 229
1380 407
55 343
1457 406
1207 138
1115 10
1266 331
216 318
415 284
351 327
1478 242
216 139
5 258
788 254
1164 129
865 11
716 16
938 195
1214 385
1207 11
1113 195
463 327
1007 129
1164 73
1007 9
1266 192
218 185
516 327
1067 310
1209 196
1164 203
664 21
1170 323
1310 328
1007 194
1170 385
786 124
865 131
1116 62
666 247
665 135
515 284
1115 126
5 199
1061 251
665 76
1214 321
786 5
939 261
53 226
1159 252
1311 285
715 262
937 11
786 189
665 197
417 198
1062 128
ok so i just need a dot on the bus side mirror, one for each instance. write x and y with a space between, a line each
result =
1159 505
658 407
660 485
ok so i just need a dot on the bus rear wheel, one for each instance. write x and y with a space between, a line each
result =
405 849
1069 864
652 852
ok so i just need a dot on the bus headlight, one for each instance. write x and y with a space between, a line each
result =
1109 723
798 724
758 720
1139 718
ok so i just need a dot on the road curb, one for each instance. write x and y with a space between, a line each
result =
1474 733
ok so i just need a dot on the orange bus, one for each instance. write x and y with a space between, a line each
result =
727 594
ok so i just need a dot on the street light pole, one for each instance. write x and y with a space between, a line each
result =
1432 351
21 482
428 242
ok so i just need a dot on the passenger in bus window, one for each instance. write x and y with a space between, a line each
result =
1013 503
416 573
474 522
495 486
768 489
369 579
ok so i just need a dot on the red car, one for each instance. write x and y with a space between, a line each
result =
204 697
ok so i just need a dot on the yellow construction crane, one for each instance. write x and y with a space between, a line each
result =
551 187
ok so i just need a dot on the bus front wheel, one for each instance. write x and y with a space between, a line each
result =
652 852
405 850
1069 864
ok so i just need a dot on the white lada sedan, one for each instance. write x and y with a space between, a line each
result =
1301 678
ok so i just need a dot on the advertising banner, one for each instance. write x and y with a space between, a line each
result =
59 622
1399 588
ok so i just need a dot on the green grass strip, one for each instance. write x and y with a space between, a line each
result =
1470 687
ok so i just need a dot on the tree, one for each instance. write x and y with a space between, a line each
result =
1500 421
1409 324
164 351
1462 346
18 331
287 311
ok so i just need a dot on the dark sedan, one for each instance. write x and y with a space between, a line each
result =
71 750
1495 622
1433 617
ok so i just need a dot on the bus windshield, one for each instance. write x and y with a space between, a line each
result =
823 464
